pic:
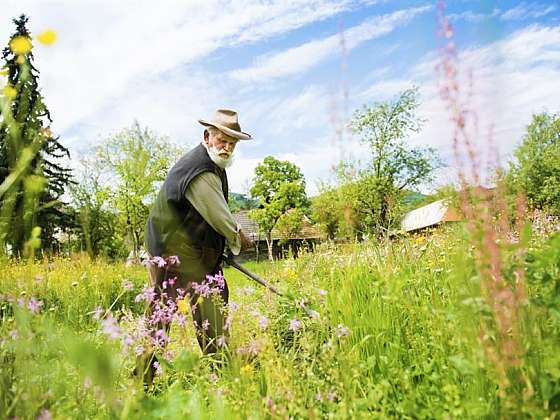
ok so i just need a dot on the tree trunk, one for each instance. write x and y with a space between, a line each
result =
269 245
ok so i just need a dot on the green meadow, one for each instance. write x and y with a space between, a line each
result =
403 329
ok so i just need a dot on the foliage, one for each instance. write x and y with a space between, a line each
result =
98 223
238 202
30 168
536 169
279 186
136 160
385 344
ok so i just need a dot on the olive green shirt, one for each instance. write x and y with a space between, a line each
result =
206 196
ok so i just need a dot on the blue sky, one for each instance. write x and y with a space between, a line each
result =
281 66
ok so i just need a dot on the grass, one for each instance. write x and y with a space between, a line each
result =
399 335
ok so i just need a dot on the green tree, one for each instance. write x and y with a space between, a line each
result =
279 186
136 159
394 168
535 172
98 223
31 176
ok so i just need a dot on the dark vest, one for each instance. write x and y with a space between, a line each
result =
173 220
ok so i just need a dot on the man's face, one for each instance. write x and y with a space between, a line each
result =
224 144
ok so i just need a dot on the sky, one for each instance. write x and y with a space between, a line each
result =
294 70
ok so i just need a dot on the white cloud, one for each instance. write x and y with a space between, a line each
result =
298 59
511 80
528 11
106 49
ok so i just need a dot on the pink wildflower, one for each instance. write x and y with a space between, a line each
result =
34 305
295 324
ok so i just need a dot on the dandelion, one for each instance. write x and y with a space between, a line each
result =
246 370
21 45
183 306
47 37
295 324
9 92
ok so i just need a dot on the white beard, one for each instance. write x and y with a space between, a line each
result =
214 154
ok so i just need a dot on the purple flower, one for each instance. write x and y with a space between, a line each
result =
127 285
295 324
44 415
341 331
227 324
263 322
322 292
111 327
34 305
159 261
14 334
221 341
159 370
97 313
148 294
205 324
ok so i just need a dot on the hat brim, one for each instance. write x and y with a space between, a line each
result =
232 133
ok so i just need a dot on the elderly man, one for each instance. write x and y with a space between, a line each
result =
190 219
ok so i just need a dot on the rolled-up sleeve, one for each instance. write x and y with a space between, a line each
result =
205 194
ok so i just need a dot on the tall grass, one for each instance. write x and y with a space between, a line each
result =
398 335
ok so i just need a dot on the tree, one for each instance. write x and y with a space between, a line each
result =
279 186
98 223
137 159
395 167
32 178
535 172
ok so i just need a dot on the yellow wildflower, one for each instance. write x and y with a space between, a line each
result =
47 37
20 59
247 370
21 45
420 239
183 306
9 92
4 72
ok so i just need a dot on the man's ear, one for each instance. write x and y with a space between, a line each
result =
206 136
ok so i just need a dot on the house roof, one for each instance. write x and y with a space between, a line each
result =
429 215
251 228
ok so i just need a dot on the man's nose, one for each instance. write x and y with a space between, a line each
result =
229 147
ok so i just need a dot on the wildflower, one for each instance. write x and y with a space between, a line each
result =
247 370
205 324
139 350
13 334
172 281
47 37
318 396
4 72
127 285
213 378
183 306
331 396
263 322
148 294
44 415
111 327
295 324
97 313
21 45
341 331
159 261
39 278
221 341
227 324
173 260
159 370
322 292
87 382
181 319
9 92
34 305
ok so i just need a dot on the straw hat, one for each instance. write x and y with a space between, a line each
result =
226 121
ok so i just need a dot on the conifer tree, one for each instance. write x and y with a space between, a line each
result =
32 179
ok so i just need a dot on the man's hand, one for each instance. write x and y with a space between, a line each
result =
246 242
